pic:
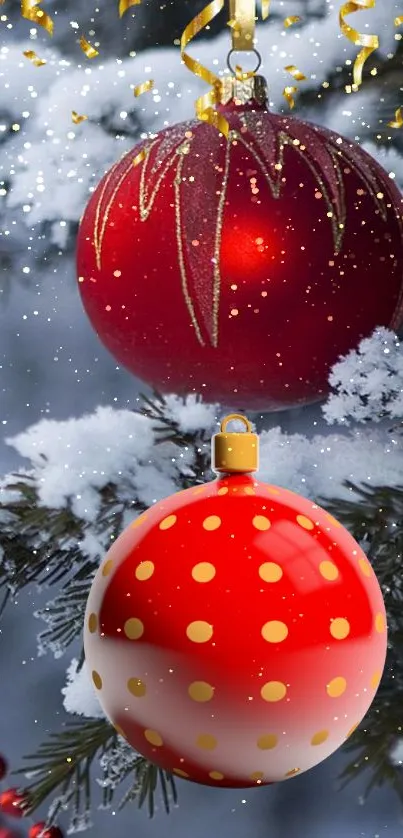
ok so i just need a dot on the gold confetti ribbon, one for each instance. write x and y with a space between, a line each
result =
140 157
38 62
30 11
205 105
290 90
288 95
124 5
399 20
265 9
87 48
144 87
397 122
290 20
242 75
242 23
77 118
369 43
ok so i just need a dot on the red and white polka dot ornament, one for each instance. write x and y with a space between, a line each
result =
236 632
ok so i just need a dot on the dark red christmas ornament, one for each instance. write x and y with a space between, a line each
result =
242 269
236 632
3 767
13 802
40 830
8 833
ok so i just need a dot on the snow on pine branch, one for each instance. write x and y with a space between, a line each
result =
368 381
79 694
50 166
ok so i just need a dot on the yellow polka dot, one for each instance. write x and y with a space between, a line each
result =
144 571
97 680
206 741
339 628
333 520
153 737
270 572
92 623
107 567
274 631
133 628
216 775
328 570
267 741
223 490
203 572
257 776
260 522
365 567
199 490
138 521
319 737
249 490
136 687
375 679
379 623
305 522
180 773
199 631
292 772
273 691
212 522
352 729
168 522
201 691
336 687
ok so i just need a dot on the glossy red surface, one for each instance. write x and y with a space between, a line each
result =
12 803
39 830
253 311
235 633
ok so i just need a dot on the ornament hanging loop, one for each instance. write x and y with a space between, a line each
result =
235 453
236 71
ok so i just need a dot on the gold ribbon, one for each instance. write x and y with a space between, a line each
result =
265 9
242 23
290 20
397 122
144 87
30 11
290 90
369 43
205 105
399 20
36 61
87 48
124 5
77 118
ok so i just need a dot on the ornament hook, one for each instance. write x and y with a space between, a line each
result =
233 452
249 73
231 417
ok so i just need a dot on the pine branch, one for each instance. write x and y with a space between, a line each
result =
62 768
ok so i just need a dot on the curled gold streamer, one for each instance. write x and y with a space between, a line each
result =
397 122
87 48
399 20
290 20
36 61
242 75
140 157
294 72
288 95
124 5
77 118
30 11
265 9
369 43
144 87
205 105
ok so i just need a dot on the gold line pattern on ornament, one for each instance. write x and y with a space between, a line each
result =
100 238
275 186
179 239
373 188
217 244
97 245
147 201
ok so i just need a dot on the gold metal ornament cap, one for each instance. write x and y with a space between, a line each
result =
235 453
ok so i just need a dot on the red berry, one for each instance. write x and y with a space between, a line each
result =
13 802
3 767
40 830
7 833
